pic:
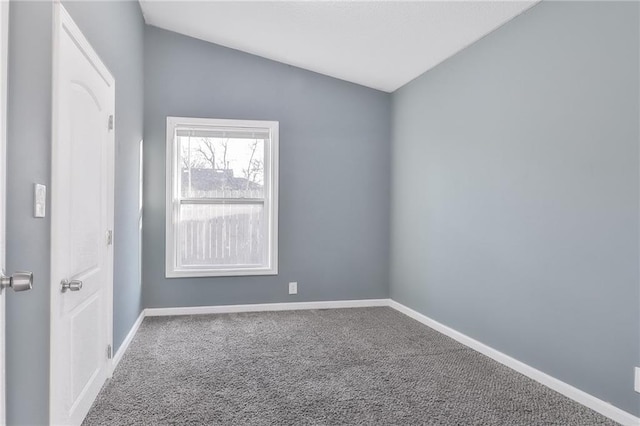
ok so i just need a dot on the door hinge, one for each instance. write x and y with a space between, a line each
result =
109 352
109 237
111 122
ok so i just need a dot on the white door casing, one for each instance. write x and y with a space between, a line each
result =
82 198
4 48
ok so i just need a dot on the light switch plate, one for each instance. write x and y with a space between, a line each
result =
293 288
636 384
39 200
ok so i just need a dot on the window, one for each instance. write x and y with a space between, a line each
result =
222 197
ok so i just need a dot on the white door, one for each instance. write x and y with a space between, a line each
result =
81 220
4 35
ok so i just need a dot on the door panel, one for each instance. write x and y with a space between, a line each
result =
81 215
87 177
85 343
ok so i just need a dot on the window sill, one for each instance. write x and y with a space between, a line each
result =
203 273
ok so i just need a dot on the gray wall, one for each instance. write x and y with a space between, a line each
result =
334 172
28 242
109 26
515 194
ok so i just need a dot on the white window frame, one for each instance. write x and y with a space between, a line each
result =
172 270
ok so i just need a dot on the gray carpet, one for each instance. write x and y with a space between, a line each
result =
321 367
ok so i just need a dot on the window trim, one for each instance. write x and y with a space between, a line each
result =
171 200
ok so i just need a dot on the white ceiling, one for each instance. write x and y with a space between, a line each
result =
379 44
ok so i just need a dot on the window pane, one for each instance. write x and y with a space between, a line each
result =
221 234
215 167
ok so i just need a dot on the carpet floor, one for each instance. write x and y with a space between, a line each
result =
369 366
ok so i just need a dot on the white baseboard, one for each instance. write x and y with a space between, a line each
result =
264 307
561 387
127 341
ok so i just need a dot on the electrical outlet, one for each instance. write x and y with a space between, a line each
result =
293 288
636 382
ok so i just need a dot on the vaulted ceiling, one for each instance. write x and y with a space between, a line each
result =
379 44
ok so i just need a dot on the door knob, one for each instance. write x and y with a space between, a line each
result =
19 281
73 285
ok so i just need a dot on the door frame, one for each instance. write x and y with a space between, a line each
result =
4 48
62 22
